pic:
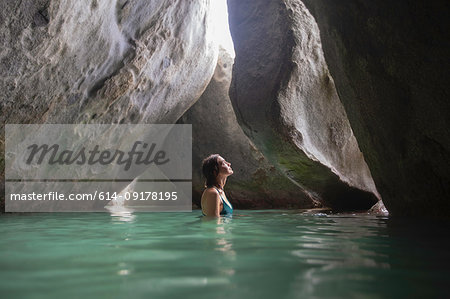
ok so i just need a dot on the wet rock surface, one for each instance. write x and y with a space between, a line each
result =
286 102
390 64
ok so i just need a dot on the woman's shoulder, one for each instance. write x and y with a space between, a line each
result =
210 192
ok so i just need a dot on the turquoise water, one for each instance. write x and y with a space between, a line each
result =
259 254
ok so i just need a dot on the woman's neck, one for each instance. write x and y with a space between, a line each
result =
221 181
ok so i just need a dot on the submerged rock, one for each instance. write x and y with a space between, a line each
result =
390 63
255 182
287 104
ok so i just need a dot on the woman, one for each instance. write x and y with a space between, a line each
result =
214 202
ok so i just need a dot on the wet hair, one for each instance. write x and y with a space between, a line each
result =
210 169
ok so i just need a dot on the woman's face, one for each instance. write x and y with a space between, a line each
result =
224 167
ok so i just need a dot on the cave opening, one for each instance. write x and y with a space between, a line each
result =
222 28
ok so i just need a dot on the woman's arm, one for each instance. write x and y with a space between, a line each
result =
213 203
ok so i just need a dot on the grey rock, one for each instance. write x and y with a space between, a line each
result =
67 61
390 61
287 104
131 62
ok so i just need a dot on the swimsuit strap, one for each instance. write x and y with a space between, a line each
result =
219 193
221 198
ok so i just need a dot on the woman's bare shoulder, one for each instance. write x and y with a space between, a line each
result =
210 192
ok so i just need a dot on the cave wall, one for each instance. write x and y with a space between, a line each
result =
286 102
390 62
101 61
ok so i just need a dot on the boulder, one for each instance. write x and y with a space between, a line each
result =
93 62
390 64
287 104
130 61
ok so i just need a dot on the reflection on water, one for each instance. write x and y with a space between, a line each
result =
122 215
264 254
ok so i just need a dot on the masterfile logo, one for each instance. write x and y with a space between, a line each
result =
91 157
86 167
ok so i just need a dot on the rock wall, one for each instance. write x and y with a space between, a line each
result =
99 61
255 183
102 62
287 104
390 61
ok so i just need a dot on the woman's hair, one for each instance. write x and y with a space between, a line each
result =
210 169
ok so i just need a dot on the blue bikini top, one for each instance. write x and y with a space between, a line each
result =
227 209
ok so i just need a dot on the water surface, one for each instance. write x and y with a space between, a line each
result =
255 254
